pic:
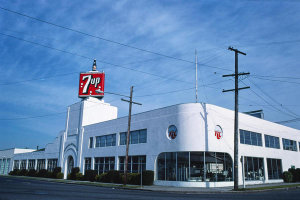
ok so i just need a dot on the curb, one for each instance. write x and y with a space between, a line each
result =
138 188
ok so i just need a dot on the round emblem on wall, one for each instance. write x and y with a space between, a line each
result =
172 132
218 132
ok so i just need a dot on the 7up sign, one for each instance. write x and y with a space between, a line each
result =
91 84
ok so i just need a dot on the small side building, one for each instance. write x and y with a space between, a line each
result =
6 158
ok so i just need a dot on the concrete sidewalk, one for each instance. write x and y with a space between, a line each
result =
249 188
158 188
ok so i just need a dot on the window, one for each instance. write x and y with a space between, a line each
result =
23 164
251 138
91 142
6 169
194 166
254 168
274 168
16 164
40 164
290 145
104 164
31 164
52 163
135 164
106 140
87 164
272 142
136 137
1 167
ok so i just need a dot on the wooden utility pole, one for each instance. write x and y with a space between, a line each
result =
128 132
236 112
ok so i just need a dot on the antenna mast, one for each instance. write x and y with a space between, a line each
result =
196 76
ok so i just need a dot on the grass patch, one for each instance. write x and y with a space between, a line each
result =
98 184
270 187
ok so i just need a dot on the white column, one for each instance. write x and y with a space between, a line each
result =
93 163
27 161
35 164
46 164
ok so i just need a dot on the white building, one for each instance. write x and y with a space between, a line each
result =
185 145
6 158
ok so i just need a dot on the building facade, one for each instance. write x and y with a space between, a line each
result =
188 145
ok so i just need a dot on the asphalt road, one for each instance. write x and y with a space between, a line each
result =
15 188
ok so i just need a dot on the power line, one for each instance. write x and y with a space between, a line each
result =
36 79
276 109
287 77
163 93
58 113
107 40
273 98
288 121
75 54
267 79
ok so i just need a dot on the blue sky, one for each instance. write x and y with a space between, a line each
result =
268 31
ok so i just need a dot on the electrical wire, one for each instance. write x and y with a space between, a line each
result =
107 40
86 57
265 93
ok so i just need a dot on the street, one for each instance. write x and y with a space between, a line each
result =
16 188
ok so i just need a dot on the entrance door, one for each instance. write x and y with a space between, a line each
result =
70 164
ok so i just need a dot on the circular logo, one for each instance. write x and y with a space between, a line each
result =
172 132
218 132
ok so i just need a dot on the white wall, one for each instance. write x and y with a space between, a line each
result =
195 123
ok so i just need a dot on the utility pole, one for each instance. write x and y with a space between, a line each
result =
128 132
236 117
196 76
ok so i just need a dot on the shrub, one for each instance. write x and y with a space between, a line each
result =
42 173
97 178
90 175
73 173
287 177
148 177
56 170
133 178
15 172
101 177
31 172
59 175
48 174
79 176
23 172
295 173
114 176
